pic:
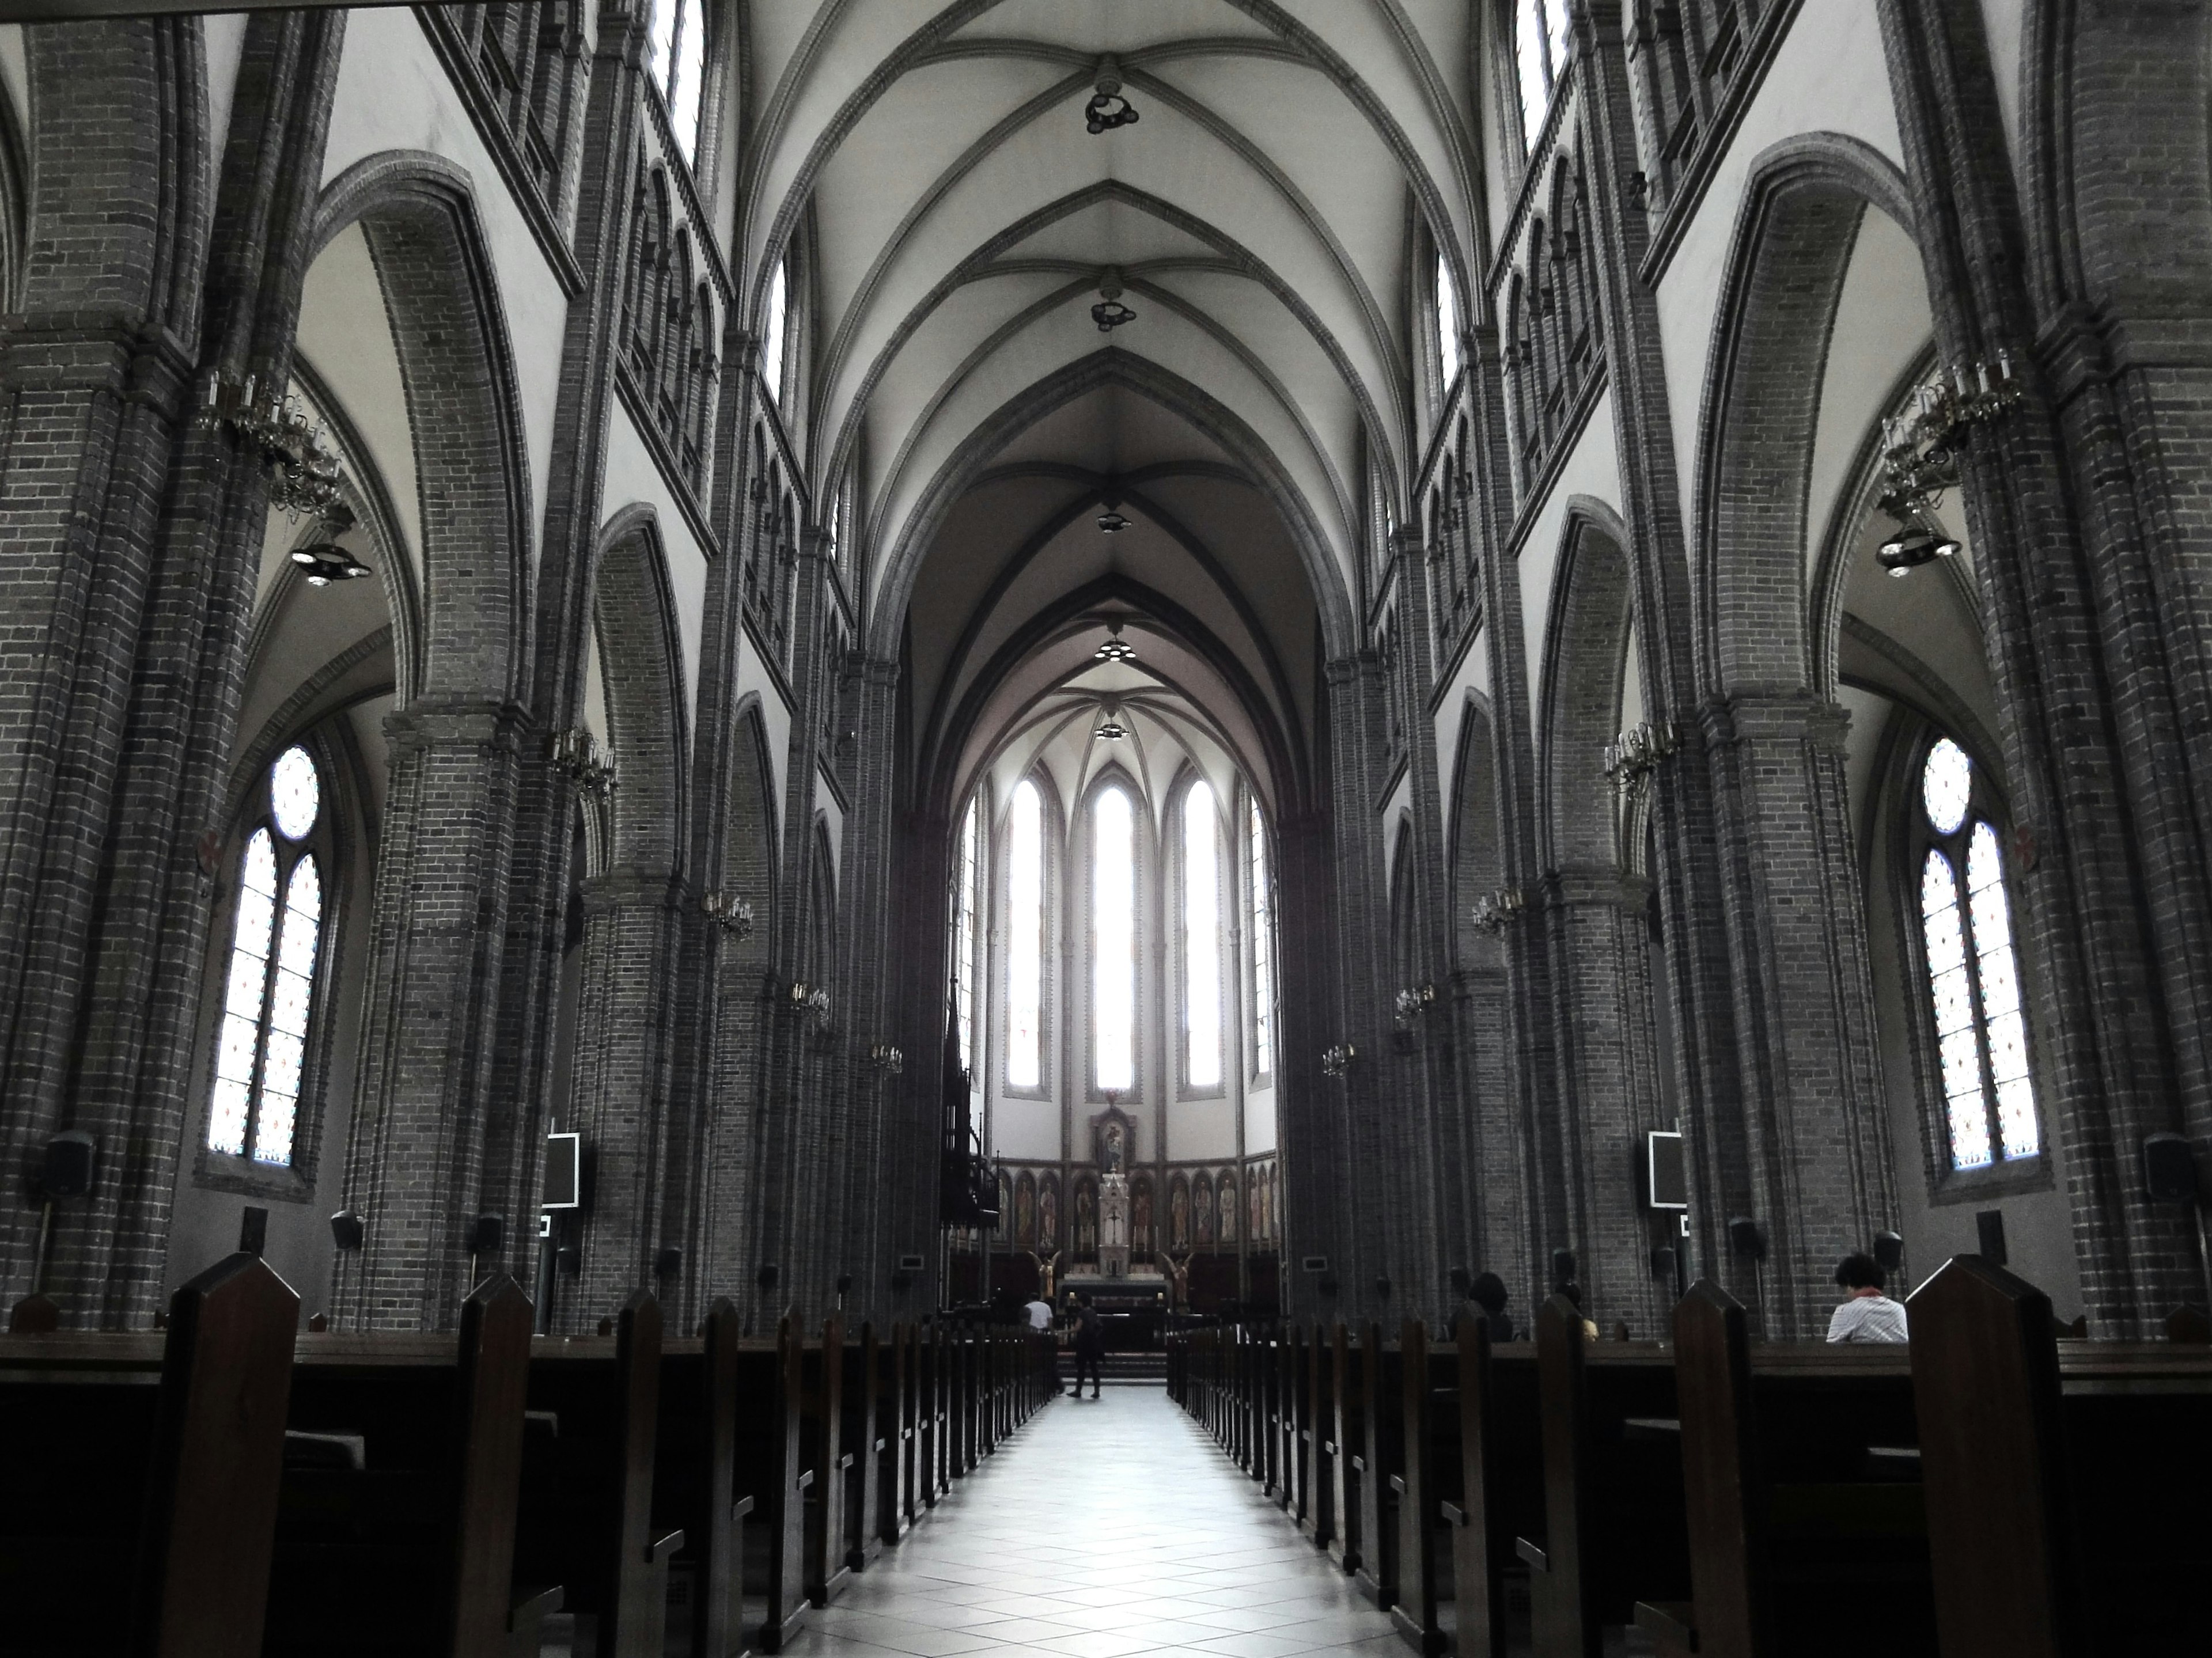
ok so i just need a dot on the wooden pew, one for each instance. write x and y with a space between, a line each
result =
396 1530
771 1473
587 1515
865 1435
1290 1442
2064 1513
1382 1458
1801 1485
696 1488
139 1475
1317 1433
1501 1488
1428 1487
822 1425
1614 1532
1346 1457
894 1511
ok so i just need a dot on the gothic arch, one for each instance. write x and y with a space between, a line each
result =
1578 703
433 260
1795 234
642 669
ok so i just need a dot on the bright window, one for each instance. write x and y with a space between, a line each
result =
1447 324
1540 50
1263 949
964 962
677 45
1025 939
269 990
772 332
1973 972
1201 938
1114 939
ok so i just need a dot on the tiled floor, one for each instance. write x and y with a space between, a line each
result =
1101 1530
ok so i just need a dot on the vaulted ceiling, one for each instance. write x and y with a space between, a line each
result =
1261 220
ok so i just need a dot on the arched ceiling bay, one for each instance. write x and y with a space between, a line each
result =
959 222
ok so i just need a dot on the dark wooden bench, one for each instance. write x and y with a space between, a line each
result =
2062 1479
140 1475
1428 1489
1380 1461
706 1388
866 1441
770 1473
894 1464
587 1469
1615 1531
396 1530
1317 1436
1802 1494
1346 1454
1501 1485
824 1455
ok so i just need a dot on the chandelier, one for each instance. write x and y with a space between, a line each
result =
576 757
1110 728
1920 457
1116 648
303 475
733 915
1112 522
1496 911
1108 108
325 562
1632 756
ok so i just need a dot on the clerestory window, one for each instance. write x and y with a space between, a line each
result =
1201 939
1539 52
1263 946
966 962
1113 939
677 42
773 332
1025 924
1448 356
1973 970
269 995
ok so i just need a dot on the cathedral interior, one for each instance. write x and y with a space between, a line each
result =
1250 661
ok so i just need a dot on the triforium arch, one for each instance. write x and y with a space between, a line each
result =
1809 1163
429 1148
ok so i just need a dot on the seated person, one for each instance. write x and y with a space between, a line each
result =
1488 1293
1868 1314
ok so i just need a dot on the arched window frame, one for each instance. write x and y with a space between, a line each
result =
680 51
1448 328
1225 889
776 333
1144 856
967 951
1262 958
325 843
1948 1180
1539 61
1001 942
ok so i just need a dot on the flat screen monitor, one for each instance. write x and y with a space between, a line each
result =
1668 1175
564 1171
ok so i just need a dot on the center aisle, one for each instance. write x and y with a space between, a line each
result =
1101 1530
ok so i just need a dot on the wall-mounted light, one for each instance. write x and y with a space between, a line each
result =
1920 456
887 1058
303 475
325 562
1413 1004
1336 1061
1496 911
1108 108
576 756
812 1001
1632 756
1116 648
733 915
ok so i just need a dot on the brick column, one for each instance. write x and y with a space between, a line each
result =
416 1161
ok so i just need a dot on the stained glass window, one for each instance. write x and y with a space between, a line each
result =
1201 938
1973 971
1263 949
677 43
1447 324
1114 939
269 990
1540 50
1025 939
772 332
964 941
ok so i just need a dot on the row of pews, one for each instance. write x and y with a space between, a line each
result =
230 1486
1990 1489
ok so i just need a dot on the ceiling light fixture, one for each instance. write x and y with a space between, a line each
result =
1116 648
1112 522
1920 539
1108 108
1110 728
1110 313
325 562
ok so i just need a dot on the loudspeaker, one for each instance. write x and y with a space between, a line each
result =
1462 1282
844 1283
348 1229
1744 1239
1663 1263
1988 1228
2169 1169
767 1276
253 1230
488 1236
1563 1269
1383 1288
1888 1251
668 1263
68 1170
